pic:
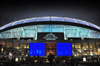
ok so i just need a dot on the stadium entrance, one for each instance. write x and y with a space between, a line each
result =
50 47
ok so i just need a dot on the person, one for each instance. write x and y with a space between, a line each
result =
76 61
13 61
50 58
67 61
72 61
38 58
31 62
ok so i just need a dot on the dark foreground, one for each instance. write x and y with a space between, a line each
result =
54 64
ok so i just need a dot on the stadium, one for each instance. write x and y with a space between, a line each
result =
61 36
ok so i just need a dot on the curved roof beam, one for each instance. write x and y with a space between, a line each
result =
50 18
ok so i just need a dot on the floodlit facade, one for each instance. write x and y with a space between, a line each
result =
89 34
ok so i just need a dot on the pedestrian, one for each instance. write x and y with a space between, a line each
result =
67 61
72 61
50 58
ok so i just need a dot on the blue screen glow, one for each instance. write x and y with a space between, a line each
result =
64 49
37 49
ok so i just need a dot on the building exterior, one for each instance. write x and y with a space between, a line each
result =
16 36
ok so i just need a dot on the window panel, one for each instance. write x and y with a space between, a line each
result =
92 25
98 47
85 48
30 20
18 22
8 25
57 19
43 19
70 20
82 22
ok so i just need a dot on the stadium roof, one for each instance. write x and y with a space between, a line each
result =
50 18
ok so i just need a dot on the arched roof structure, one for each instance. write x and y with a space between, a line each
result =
63 22
50 18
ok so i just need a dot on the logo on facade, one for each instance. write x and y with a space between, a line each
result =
50 36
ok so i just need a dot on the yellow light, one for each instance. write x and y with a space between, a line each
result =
27 46
87 46
72 45
17 47
35 60
24 46
21 47
77 54
22 54
99 50
9 53
2 49
91 46
8 46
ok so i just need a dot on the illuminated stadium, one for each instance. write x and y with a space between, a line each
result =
61 36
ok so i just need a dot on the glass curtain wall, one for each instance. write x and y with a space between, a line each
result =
21 47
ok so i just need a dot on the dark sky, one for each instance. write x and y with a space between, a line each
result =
12 11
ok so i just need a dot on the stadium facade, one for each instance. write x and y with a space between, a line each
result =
16 36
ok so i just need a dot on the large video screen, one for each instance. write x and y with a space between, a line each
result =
37 49
64 49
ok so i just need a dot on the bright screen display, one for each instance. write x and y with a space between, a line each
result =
37 49
64 49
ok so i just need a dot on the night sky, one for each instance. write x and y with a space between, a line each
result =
83 10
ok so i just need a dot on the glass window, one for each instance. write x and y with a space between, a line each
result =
85 48
23 48
78 45
27 45
98 47
92 47
57 19
18 22
82 22
9 48
16 48
70 20
78 50
2 44
30 20
43 19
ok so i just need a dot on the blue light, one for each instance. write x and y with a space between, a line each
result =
70 20
82 22
18 22
44 19
36 49
8 25
57 19
92 25
64 49
30 20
